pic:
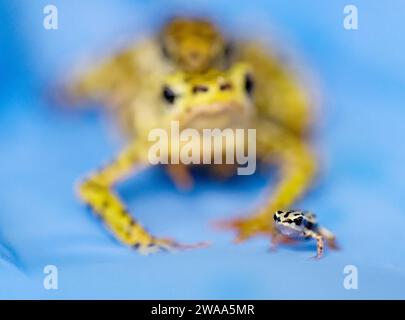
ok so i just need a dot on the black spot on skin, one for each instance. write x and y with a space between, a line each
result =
286 214
225 86
288 221
279 212
197 89
298 221
275 217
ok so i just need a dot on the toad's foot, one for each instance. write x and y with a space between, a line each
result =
156 245
248 227
333 244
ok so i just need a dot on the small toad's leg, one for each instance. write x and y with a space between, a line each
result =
319 242
330 238
297 167
181 176
97 192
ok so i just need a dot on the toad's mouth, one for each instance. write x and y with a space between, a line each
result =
217 115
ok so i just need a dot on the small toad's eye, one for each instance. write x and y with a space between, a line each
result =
168 94
298 221
249 84
275 217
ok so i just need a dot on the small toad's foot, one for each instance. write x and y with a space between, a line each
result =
317 257
333 244
247 227
156 245
330 238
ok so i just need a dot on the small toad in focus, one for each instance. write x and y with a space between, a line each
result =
302 224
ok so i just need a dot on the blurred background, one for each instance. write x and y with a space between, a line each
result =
45 150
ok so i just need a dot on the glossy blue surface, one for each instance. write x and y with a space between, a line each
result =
359 195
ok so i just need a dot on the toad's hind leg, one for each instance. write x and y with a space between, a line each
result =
330 238
297 168
96 191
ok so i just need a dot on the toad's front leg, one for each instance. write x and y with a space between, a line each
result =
96 191
297 168
319 242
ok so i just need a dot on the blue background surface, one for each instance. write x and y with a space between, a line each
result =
44 150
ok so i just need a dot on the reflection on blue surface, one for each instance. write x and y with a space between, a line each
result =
45 150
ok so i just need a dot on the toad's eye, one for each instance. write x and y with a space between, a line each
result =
249 84
298 221
168 94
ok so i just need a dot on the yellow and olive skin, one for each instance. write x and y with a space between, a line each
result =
195 45
196 100
147 87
